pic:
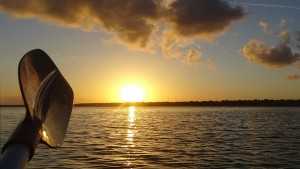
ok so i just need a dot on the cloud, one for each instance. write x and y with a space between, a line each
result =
130 21
189 21
137 24
192 57
256 51
265 26
285 38
266 30
201 17
298 38
292 76
172 45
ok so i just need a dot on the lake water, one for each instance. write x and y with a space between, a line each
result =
171 137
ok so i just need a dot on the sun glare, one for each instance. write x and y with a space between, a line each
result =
132 93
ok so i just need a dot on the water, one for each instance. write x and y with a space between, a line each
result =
171 137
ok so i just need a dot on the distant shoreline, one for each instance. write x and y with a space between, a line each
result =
229 103
223 103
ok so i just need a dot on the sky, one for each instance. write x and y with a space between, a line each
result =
176 50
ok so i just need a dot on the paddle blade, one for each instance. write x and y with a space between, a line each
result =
59 111
47 96
34 68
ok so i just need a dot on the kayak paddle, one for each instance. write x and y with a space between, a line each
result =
48 100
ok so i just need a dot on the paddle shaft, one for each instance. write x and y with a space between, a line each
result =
15 156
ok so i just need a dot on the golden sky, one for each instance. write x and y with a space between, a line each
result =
175 50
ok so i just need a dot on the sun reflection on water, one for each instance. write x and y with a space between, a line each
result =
131 115
130 134
130 130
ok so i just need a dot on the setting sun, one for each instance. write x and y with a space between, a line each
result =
132 93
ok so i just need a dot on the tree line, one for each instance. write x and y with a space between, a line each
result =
229 103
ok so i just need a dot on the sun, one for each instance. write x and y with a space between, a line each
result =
132 93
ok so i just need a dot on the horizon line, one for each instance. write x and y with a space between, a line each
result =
204 102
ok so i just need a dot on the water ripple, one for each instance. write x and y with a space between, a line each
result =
171 137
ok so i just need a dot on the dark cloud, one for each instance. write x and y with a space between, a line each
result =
135 23
292 76
198 17
256 51
129 20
